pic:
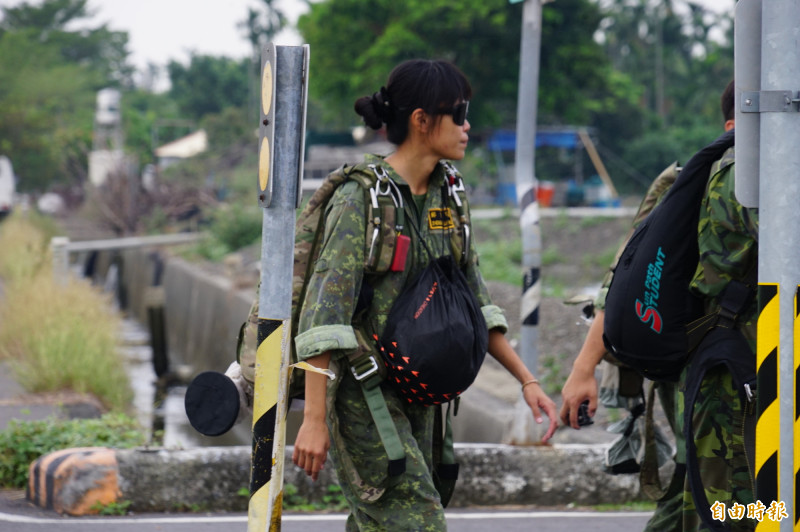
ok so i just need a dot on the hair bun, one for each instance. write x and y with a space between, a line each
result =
375 109
382 104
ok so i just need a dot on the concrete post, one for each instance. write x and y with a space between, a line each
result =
524 430
59 246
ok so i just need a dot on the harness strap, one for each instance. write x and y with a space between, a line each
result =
456 189
369 372
386 429
732 302
648 473
446 471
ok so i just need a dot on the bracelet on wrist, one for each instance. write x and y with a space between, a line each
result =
530 381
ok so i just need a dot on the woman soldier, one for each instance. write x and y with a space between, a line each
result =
424 106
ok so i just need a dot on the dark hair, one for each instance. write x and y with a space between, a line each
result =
727 101
414 84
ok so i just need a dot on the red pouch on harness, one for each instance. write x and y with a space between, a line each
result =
400 254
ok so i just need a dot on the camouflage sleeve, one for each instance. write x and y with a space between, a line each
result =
494 316
727 236
326 315
652 197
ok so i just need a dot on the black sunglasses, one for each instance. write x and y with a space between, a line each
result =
459 112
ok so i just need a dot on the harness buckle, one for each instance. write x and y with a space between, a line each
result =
368 372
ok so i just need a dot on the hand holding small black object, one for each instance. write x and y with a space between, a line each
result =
583 415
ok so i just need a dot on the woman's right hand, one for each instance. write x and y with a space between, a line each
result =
312 442
311 446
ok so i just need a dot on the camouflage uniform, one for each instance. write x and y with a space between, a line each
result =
667 516
728 244
327 324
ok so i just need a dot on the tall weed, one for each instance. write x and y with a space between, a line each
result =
56 336
24 247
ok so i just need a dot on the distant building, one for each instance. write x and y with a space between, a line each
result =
182 148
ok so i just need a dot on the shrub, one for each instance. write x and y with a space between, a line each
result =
25 441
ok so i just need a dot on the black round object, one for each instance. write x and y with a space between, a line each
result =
212 403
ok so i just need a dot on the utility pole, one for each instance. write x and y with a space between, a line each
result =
523 430
767 57
284 83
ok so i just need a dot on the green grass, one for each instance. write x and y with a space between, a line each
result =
501 260
631 506
22 442
332 501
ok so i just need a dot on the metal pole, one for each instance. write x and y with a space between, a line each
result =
524 430
283 78
779 240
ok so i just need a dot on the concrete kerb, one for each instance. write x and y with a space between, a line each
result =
216 478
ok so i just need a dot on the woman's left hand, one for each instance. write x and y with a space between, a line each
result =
538 401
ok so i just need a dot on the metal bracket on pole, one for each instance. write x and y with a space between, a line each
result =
770 102
304 103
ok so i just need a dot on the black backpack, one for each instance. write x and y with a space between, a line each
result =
650 310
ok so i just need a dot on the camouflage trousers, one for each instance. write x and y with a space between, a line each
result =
377 501
719 423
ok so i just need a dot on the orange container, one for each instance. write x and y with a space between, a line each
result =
545 192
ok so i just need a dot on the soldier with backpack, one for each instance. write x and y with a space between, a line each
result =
727 238
346 306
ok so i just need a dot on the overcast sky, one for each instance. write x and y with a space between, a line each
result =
164 30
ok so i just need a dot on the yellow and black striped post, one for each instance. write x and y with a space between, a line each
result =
282 131
768 415
795 399
269 432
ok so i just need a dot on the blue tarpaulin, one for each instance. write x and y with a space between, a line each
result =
506 140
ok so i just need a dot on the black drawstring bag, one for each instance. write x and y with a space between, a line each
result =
436 337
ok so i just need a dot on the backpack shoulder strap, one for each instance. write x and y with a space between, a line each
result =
458 192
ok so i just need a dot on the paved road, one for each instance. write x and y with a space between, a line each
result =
458 521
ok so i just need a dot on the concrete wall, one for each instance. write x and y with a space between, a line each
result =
202 311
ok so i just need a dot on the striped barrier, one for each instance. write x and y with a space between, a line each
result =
77 481
768 422
269 437
796 398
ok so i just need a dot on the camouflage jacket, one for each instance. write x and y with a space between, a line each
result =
727 240
326 320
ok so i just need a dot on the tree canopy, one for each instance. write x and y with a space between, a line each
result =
48 80
646 74
355 45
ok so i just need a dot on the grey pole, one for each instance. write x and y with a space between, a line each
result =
284 76
779 192
523 430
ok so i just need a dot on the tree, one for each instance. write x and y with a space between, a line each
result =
665 47
355 44
100 50
208 84
48 80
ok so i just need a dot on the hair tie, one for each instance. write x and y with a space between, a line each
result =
382 104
